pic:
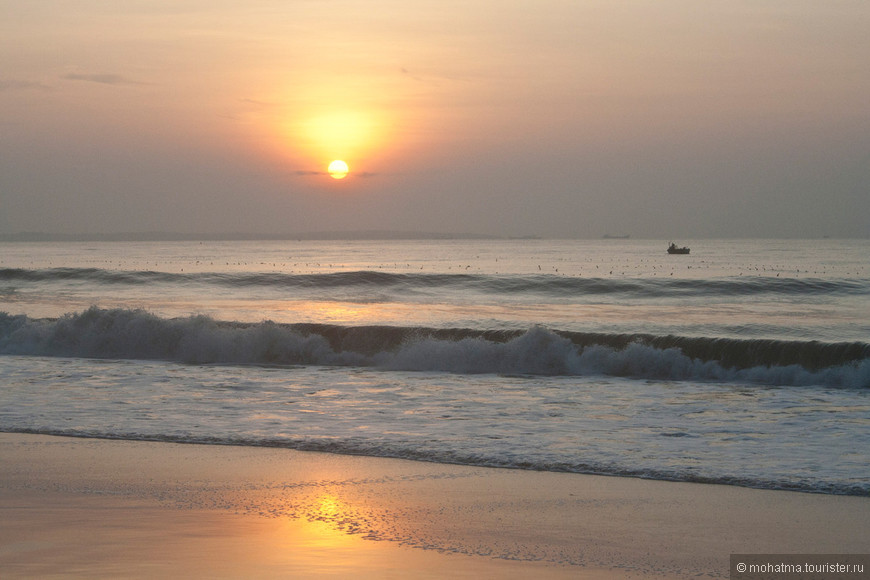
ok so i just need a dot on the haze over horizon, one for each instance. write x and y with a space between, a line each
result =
556 119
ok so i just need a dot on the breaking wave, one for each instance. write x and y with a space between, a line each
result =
136 334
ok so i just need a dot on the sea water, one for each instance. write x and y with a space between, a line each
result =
745 362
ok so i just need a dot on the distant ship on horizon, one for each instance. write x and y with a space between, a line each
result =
619 237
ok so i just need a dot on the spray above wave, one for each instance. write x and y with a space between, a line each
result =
543 284
135 334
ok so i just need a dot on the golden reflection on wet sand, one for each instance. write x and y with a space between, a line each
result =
93 536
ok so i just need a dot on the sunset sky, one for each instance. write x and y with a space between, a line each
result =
558 118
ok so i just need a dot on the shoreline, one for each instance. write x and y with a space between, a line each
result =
80 507
760 486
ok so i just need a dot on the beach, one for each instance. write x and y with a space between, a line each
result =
94 508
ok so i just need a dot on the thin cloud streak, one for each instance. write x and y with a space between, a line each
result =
17 85
103 79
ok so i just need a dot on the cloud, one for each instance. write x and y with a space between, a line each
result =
256 104
16 85
364 174
410 75
103 79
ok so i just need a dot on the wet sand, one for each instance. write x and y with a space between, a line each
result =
89 508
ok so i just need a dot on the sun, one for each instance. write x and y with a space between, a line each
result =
338 169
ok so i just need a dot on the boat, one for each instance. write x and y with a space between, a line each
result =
673 249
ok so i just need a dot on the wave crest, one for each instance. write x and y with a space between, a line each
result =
546 285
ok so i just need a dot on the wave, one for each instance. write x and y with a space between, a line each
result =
136 334
543 284
358 446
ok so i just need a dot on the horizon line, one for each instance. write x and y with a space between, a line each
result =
157 236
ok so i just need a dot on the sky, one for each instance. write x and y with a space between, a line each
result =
676 119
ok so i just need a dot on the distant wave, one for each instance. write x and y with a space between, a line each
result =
136 334
543 284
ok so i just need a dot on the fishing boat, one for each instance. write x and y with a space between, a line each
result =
673 249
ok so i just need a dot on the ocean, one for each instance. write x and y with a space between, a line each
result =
746 362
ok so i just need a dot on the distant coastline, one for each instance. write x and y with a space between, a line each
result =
237 236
